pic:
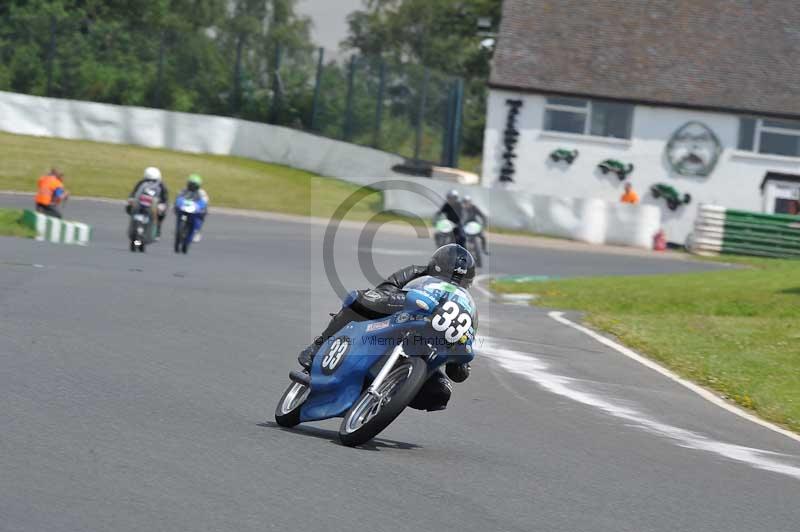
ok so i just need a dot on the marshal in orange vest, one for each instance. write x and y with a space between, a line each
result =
48 190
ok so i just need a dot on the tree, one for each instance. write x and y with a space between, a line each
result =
208 56
442 35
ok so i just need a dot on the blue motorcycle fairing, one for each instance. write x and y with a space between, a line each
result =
339 372
194 220
333 393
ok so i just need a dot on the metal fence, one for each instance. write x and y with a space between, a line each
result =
402 108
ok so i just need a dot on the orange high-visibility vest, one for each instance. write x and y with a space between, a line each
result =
47 186
630 197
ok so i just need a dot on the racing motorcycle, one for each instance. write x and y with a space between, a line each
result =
142 229
444 232
187 208
472 231
369 371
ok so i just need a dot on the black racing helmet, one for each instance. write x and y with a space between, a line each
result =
454 264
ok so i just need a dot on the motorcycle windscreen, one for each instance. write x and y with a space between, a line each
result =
342 364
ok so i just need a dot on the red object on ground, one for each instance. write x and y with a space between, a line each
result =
660 241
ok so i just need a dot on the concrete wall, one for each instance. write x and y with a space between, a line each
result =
586 220
734 183
50 117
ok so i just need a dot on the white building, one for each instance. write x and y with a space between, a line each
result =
701 96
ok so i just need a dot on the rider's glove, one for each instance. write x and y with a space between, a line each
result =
457 372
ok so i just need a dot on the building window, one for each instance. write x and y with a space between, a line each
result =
777 137
587 117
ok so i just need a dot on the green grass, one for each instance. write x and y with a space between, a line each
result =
111 170
11 224
736 331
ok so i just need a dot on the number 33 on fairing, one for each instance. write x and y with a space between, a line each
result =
452 321
333 358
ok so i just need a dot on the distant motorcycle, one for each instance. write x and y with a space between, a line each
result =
142 229
444 232
473 231
369 371
187 209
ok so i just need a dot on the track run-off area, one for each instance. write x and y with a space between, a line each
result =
137 393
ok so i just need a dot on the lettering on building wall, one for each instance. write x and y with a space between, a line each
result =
510 139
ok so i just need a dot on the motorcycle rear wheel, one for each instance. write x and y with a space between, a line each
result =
370 414
287 413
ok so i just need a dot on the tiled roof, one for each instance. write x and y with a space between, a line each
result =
732 55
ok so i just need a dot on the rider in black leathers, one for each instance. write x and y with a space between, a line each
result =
448 263
452 210
152 175
473 212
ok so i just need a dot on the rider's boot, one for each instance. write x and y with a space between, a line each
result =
306 356
339 320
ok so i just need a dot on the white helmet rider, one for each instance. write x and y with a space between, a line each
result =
151 173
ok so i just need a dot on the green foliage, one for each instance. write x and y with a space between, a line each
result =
442 35
175 54
253 59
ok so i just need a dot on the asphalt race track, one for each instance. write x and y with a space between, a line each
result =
137 393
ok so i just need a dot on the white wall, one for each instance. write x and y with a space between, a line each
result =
590 220
51 117
734 183
586 220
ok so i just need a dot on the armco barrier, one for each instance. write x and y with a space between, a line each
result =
721 230
586 220
69 119
57 231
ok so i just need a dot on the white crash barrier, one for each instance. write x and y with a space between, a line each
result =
69 119
586 220
57 231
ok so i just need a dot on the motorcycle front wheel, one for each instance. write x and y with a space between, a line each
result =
370 414
287 413
181 233
178 231
475 250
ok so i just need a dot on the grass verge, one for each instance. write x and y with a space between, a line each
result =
11 224
111 170
737 332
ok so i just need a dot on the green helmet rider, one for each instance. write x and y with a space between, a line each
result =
194 182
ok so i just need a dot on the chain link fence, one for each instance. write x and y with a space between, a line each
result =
401 108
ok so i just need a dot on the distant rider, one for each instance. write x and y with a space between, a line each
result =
151 177
194 190
50 193
472 212
451 263
452 210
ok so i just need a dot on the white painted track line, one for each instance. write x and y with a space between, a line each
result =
702 392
